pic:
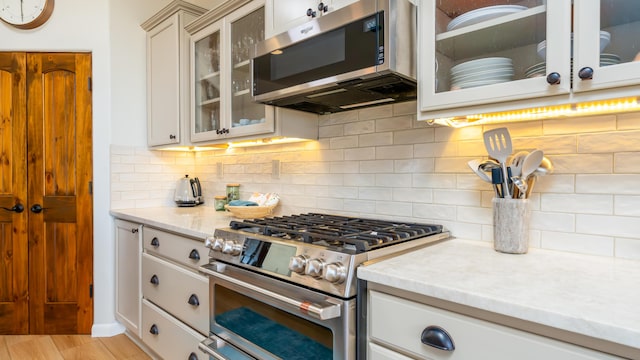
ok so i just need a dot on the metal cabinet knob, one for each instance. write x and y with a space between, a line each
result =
134 230
193 300
194 255
586 73
553 78
172 137
154 329
311 13
438 338
18 208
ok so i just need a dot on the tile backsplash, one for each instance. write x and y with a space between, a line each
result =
380 162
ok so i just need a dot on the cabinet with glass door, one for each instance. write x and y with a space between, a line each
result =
486 56
222 105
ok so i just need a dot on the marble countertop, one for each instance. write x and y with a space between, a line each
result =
197 222
588 295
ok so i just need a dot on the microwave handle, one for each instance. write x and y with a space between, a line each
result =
331 311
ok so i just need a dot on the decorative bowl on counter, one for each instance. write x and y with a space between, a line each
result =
250 212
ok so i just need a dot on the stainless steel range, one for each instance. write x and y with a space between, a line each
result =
286 288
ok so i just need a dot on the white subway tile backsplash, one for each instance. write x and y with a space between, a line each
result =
381 163
627 163
620 226
608 184
578 203
578 243
627 205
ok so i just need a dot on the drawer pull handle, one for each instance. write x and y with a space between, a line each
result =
154 280
438 338
155 242
193 300
154 329
194 255
193 356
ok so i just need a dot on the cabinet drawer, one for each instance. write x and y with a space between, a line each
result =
377 352
175 288
398 323
173 340
187 251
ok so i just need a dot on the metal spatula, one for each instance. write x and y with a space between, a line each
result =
498 144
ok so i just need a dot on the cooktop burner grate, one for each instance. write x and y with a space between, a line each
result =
346 233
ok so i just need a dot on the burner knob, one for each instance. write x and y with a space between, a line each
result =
231 248
298 263
335 273
217 244
314 268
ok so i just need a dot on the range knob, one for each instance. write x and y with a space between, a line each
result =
335 273
230 247
217 244
298 263
314 268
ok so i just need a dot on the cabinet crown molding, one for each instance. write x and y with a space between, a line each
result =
172 8
214 14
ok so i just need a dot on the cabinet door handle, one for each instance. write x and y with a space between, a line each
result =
154 329
586 73
193 300
172 137
134 230
155 242
438 338
553 78
154 280
194 255
37 208
18 208
311 13
193 356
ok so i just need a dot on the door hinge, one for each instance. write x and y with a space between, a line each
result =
90 187
91 290
89 84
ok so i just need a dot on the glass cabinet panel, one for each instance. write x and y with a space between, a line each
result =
207 84
607 55
246 32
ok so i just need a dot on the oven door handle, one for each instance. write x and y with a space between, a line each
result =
330 311
206 347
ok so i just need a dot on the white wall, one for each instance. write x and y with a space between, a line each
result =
110 30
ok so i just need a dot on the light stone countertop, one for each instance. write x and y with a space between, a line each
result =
588 295
198 222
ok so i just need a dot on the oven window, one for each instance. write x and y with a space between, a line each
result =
285 335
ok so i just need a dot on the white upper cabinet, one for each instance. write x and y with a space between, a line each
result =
482 56
618 64
283 15
168 74
222 105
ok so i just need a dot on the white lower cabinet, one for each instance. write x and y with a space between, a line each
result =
169 337
395 327
128 293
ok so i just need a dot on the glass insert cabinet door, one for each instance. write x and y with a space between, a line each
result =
608 55
245 32
207 85
476 52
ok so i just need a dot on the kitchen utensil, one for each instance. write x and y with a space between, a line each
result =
516 162
489 164
475 167
498 144
546 167
522 186
531 163
496 180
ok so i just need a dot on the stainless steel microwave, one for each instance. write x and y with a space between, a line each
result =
361 55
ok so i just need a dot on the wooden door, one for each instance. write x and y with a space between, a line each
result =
14 260
59 166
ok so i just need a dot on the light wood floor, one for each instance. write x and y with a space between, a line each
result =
66 347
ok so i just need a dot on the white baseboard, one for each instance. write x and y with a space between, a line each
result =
107 330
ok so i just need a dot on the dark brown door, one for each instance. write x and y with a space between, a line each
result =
14 257
57 155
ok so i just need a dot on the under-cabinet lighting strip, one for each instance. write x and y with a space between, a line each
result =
570 110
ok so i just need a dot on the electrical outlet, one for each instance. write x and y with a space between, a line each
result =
275 169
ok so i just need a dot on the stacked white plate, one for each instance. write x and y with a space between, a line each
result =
481 72
483 14
609 59
605 38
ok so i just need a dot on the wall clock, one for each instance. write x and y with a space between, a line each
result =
25 14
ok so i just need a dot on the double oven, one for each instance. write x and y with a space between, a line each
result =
286 288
